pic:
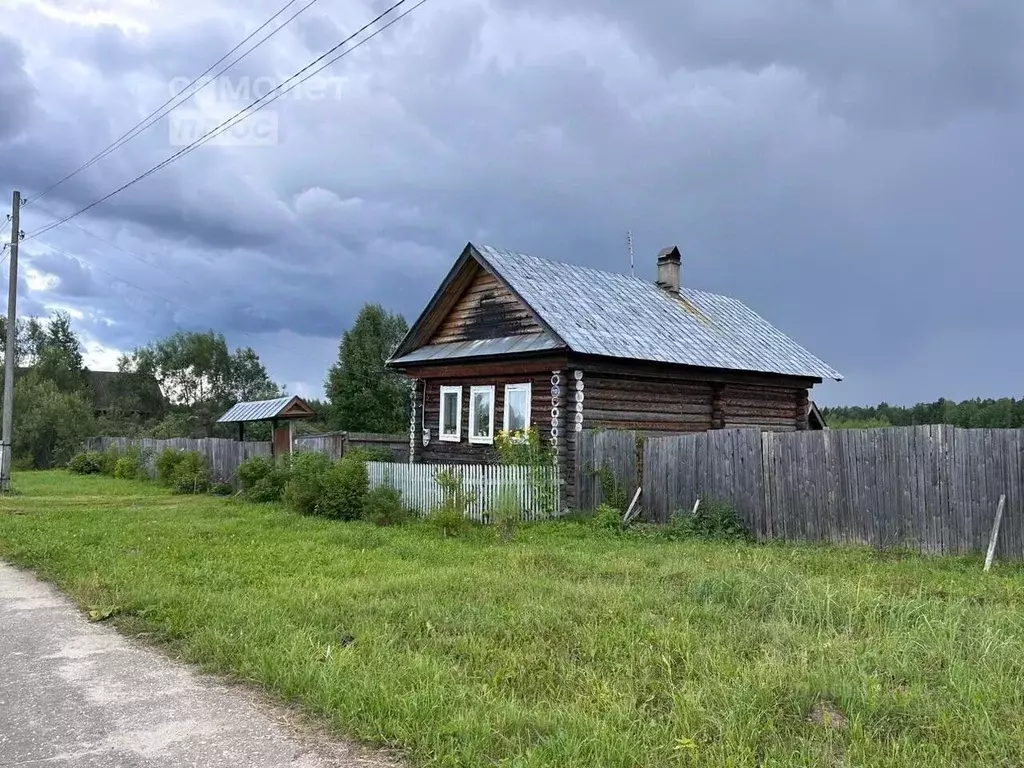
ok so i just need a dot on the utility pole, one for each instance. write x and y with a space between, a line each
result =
9 354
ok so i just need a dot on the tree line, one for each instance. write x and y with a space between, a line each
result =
1004 413
178 386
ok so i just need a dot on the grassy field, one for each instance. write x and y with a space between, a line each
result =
566 647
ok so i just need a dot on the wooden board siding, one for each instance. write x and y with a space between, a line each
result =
777 408
486 310
647 405
464 452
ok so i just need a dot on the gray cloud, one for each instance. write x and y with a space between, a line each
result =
849 170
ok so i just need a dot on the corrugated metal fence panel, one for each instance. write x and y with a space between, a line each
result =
482 482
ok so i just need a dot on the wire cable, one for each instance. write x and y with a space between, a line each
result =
153 117
200 297
244 113
123 250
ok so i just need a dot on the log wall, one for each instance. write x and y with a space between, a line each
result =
464 452
647 405
487 310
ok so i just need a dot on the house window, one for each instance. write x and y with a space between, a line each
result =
450 428
481 415
517 407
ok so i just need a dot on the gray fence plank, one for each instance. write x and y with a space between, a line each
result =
930 488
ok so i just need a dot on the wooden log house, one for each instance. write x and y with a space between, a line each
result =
511 341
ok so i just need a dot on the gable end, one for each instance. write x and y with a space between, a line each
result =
486 310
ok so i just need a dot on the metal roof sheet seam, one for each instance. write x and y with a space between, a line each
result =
257 410
617 315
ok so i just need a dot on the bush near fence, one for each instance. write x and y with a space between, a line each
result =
932 488
226 455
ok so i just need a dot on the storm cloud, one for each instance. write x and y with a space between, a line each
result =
847 169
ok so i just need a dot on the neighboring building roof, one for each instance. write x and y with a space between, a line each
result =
815 418
290 407
593 312
129 391
126 391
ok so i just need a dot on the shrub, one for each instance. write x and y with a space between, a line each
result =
305 482
371 454
192 475
166 465
263 481
268 489
714 520
251 471
615 495
450 517
344 490
109 461
507 512
383 506
222 489
128 467
86 463
607 518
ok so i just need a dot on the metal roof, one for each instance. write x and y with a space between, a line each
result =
257 410
605 313
533 342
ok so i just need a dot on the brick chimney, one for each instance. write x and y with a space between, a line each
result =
669 262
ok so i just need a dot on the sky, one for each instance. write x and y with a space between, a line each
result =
849 169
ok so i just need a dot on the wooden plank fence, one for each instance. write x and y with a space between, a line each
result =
421 491
934 489
337 443
600 452
224 455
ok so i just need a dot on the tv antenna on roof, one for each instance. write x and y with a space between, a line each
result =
629 241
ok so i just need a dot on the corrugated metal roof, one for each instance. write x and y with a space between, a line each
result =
604 313
533 342
257 410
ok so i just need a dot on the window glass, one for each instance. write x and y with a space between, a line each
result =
517 407
481 415
451 413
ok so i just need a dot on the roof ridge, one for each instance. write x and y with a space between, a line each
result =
618 315
606 272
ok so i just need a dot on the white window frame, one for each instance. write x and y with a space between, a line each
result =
473 438
457 437
525 387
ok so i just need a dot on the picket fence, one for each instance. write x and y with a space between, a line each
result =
483 483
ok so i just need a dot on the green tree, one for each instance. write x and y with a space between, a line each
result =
200 378
365 396
56 352
248 378
49 424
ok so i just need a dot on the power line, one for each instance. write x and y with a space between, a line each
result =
123 250
244 113
83 262
153 117
91 265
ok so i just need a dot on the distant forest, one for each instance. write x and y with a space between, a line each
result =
1005 412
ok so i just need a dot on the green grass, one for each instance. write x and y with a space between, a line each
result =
567 647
